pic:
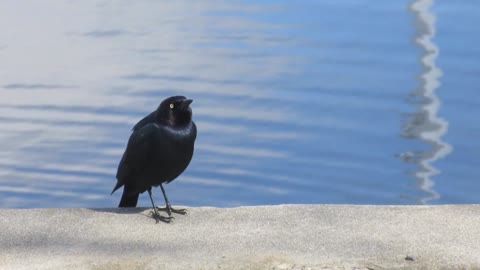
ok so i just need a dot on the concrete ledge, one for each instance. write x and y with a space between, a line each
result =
260 237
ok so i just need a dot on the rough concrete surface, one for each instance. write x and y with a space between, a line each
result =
257 237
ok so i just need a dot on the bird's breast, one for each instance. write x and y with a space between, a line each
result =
173 152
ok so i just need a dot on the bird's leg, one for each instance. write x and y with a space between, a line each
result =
168 207
156 215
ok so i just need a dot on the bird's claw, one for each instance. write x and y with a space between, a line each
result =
179 211
171 210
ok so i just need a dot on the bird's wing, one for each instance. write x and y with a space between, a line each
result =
137 154
146 120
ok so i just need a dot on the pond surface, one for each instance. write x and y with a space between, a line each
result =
296 102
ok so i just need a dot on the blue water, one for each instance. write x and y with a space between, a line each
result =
296 102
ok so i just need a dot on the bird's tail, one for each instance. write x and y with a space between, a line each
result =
129 199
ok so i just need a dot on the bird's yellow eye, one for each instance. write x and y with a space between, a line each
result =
171 106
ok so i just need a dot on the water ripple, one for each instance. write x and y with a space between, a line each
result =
295 102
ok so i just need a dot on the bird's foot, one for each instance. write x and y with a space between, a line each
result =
182 211
158 217
171 210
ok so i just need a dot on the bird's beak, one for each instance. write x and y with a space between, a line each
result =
185 103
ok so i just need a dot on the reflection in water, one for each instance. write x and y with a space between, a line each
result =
424 124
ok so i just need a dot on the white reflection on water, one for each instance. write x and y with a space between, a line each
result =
424 123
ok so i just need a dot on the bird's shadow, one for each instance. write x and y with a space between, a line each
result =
134 210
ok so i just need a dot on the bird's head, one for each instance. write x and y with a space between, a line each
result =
175 111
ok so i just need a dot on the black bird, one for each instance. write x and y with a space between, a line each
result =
158 151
